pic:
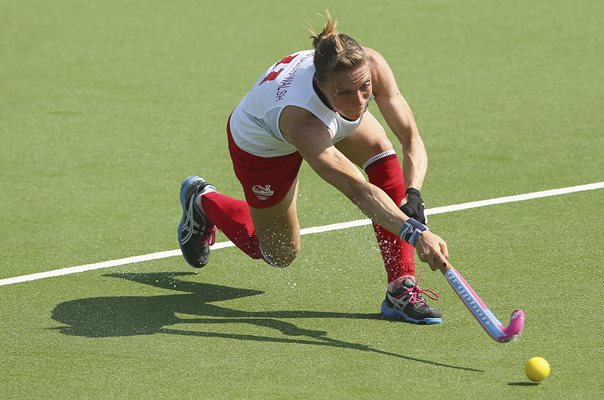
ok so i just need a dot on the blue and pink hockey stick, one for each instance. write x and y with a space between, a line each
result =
480 311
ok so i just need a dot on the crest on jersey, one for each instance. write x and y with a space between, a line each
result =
262 192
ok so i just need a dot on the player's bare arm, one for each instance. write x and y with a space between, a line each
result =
311 138
398 115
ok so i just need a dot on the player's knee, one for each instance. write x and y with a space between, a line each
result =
282 258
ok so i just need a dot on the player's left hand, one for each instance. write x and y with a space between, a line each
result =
414 207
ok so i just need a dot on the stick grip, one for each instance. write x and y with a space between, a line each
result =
445 268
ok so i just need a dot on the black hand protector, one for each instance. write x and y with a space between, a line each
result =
414 207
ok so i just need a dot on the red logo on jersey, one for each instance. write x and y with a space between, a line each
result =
271 76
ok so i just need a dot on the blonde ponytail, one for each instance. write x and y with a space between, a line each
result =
328 30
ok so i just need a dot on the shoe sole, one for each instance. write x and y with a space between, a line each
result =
393 314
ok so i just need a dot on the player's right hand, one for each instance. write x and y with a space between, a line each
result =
432 249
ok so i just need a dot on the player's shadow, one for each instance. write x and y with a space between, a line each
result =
98 317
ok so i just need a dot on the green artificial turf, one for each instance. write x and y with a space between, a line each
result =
105 107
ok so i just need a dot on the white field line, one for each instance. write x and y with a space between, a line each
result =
305 231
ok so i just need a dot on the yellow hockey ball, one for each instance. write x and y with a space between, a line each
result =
537 369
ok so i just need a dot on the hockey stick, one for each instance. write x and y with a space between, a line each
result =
480 311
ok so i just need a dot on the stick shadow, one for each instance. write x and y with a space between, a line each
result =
100 317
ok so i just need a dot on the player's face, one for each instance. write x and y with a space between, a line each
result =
349 91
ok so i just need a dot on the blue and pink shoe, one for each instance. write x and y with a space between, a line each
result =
404 301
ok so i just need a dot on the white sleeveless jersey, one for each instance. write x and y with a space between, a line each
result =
255 122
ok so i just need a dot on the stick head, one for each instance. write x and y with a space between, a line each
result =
515 327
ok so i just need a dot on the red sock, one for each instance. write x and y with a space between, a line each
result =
385 172
233 218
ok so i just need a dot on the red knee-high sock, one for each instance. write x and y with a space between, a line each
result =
233 218
385 172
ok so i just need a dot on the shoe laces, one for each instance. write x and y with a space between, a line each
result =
415 293
208 233
189 224
209 237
